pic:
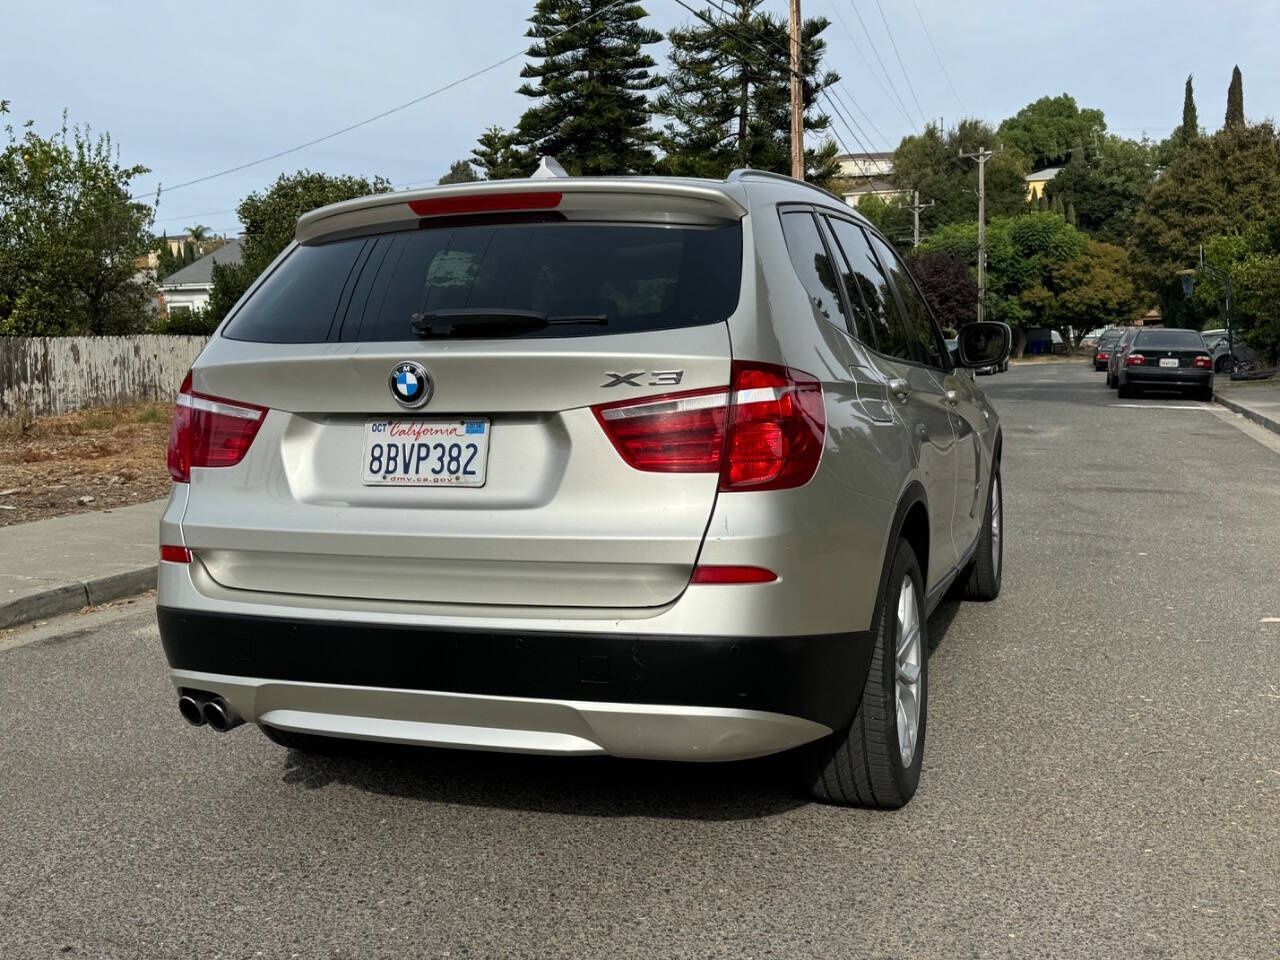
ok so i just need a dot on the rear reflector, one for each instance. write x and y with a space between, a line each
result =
763 432
1203 362
209 431
732 574
485 203
172 554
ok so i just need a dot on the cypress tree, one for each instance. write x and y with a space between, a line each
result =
1190 123
589 81
1235 100
1071 214
1058 208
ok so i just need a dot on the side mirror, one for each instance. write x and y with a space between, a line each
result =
983 344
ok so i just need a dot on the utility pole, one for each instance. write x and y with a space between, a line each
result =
982 156
915 207
797 96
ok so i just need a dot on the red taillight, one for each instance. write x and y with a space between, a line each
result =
1104 356
1134 360
732 574
209 431
172 554
763 432
1203 362
485 203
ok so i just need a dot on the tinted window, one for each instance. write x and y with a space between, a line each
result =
367 288
869 290
925 341
1169 340
813 266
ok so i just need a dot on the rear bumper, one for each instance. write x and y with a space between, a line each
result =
657 697
1171 379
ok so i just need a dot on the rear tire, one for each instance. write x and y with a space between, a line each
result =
987 568
1205 394
862 764
1124 390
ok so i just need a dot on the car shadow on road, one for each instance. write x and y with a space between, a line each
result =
579 786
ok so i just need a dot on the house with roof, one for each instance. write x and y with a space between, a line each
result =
1036 181
190 287
866 173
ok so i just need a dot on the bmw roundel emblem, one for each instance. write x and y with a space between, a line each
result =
410 384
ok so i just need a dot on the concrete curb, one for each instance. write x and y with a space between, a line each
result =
1234 407
62 598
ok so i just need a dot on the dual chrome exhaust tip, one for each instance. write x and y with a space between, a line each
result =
198 707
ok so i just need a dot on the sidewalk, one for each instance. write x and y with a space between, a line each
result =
51 567
1259 400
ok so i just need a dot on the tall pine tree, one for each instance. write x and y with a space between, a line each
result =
1235 100
590 80
497 154
728 94
1190 128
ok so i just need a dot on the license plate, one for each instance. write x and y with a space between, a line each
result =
425 453
1168 361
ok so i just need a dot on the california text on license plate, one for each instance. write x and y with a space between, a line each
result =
432 453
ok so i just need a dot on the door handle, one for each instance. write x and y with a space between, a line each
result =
899 388
952 398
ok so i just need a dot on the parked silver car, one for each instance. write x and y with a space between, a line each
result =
646 467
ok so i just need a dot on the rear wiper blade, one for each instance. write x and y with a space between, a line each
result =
490 321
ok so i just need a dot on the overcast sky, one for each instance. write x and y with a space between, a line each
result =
190 89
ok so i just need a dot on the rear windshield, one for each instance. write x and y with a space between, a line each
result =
1169 340
1110 337
639 277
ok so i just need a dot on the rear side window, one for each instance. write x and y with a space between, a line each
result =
368 288
1169 340
925 341
813 266
866 282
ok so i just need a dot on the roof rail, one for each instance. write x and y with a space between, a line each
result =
743 173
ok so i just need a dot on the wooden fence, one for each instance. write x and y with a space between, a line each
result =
43 375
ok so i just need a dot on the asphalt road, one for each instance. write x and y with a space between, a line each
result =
1102 774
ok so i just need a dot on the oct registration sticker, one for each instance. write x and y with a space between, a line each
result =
425 453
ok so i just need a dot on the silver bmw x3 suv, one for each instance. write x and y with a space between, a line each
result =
659 468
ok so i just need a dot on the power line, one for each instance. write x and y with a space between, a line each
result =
929 37
822 93
844 24
901 66
378 116
879 60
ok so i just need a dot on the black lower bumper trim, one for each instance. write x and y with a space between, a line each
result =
816 677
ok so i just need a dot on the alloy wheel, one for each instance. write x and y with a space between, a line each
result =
910 657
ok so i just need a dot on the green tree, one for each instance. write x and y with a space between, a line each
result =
1057 206
727 95
1235 100
70 237
1190 128
590 81
270 219
1023 251
500 158
1071 215
1217 185
1093 289
1252 259
459 172
166 262
931 163
1107 188
1044 132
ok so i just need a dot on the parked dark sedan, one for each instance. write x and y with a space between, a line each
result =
1102 349
1167 360
1116 358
